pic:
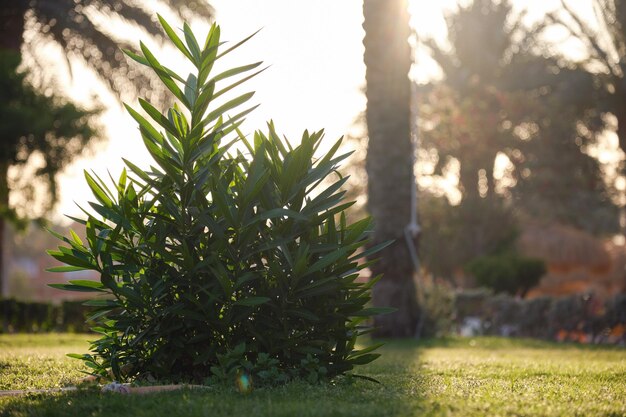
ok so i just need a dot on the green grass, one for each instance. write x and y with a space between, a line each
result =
450 377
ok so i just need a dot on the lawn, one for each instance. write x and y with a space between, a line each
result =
450 377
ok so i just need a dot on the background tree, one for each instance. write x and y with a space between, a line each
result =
76 26
467 110
556 180
499 95
389 162
36 129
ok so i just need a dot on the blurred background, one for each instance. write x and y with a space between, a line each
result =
489 141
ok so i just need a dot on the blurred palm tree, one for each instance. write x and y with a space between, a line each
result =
47 125
487 40
500 94
389 162
86 29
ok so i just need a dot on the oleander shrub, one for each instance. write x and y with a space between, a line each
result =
230 255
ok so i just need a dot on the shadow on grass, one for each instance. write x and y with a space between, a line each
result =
398 394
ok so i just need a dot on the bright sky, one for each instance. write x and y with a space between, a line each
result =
315 80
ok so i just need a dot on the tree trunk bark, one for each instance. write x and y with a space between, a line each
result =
389 161
12 20
4 208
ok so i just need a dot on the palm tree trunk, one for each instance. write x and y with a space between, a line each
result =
389 161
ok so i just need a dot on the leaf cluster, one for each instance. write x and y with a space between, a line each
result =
221 258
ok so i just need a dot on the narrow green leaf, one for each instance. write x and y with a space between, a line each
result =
192 43
101 303
364 359
144 61
157 117
87 283
227 106
163 75
371 251
174 38
98 192
375 311
368 349
152 133
191 89
78 288
66 268
235 71
81 356
237 83
238 44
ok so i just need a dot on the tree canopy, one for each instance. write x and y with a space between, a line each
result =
501 97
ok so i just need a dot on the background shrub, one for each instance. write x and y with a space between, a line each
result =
215 263
579 317
437 299
503 313
471 302
533 317
31 317
507 273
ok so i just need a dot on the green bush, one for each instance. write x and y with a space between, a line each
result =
507 273
214 263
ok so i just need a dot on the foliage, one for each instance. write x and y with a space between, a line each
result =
508 273
37 129
209 261
445 377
